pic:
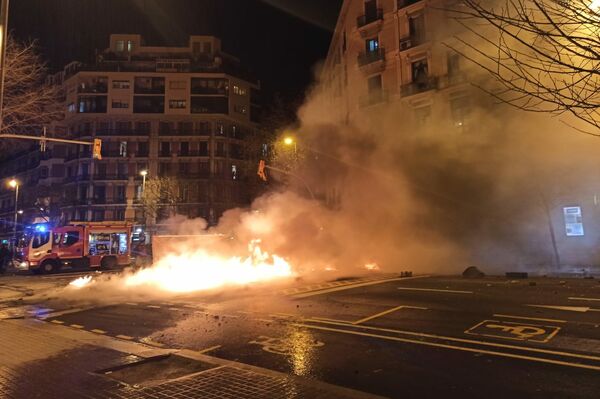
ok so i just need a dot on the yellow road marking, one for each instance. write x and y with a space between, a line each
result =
57 322
152 343
77 326
517 330
126 337
351 286
131 303
584 299
446 346
434 290
386 312
462 340
212 348
529 318
95 330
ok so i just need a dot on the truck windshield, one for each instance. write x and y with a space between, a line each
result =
40 238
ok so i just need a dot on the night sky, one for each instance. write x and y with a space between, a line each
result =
278 40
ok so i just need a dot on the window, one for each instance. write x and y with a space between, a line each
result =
163 169
416 28
120 104
71 107
142 127
375 84
207 47
119 214
148 104
120 45
165 149
220 152
129 45
240 91
149 85
210 105
372 45
213 86
240 109
120 193
142 149
233 172
203 149
98 216
121 84
184 169
573 221
69 238
123 148
184 149
178 84
420 72
92 104
177 104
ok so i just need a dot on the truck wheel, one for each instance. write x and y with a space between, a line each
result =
48 266
108 263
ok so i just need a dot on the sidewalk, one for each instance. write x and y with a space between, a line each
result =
42 360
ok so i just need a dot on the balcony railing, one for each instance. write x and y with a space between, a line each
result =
368 18
91 89
101 176
420 86
179 132
370 57
121 132
411 41
406 3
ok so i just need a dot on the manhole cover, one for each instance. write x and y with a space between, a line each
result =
156 370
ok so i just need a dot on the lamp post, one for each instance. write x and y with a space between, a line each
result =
144 173
15 184
290 141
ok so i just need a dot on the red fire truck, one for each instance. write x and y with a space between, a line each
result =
79 244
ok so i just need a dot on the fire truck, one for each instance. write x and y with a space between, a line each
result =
79 244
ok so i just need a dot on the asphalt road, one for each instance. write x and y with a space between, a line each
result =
401 338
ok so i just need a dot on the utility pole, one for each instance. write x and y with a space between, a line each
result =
3 42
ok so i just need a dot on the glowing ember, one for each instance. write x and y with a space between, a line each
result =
372 266
81 282
199 270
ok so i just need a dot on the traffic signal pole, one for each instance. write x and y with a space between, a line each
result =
96 144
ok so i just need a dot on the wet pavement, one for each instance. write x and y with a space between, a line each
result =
400 338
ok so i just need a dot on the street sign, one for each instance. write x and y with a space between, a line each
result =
514 331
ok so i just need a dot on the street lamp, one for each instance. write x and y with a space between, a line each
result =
290 141
144 173
15 184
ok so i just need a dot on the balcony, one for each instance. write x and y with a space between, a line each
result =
370 23
373 98
411 41
119 176
99 88
372 61
405 3
179 132
121 132
423 85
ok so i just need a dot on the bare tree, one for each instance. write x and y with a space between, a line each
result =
28 101
159 193
545 54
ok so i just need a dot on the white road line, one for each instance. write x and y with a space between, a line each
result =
125 337
459 348
95 330
529 318
386 312
434 290
461 340
352 286
212 348
584 299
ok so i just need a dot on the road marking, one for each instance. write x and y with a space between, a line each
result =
434 290
386 312
79 326
57 322
96 331
283 346
461 340
125 337
584 299
352 286
529 318
579 309
132 303
212 348
459 348
64 312
515 331
149 342
153 307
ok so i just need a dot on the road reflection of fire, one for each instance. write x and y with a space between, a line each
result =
197 270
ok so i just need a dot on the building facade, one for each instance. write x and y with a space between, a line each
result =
399 57
180 113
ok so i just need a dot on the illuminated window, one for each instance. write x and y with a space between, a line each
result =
233 172
573 221
120 45
240 91
121 84
120 104
177 104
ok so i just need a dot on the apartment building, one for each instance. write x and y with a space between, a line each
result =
396 57
174 112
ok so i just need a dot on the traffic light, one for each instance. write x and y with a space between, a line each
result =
261 170
97 149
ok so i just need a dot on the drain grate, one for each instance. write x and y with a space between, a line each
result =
156 370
